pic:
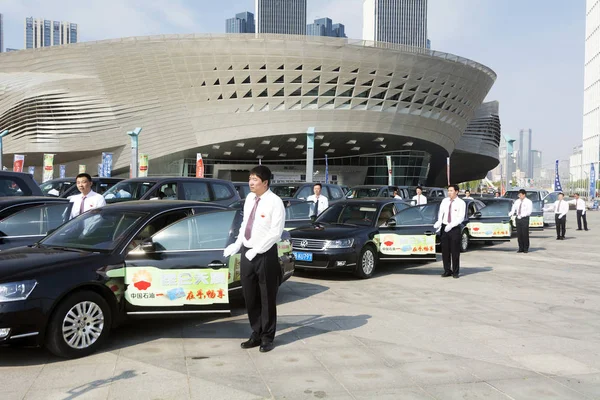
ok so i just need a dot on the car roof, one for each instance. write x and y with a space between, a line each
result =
14 174
94 179
371 186
157 179
160 205
493 199
12 200
373 200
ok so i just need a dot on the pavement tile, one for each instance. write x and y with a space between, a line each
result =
438 372
403 393
350 357
73 376
284 361
86 392
536 389
587 384
305 383
466 391
19 395
370 377
398 354
230 387
554 364
221 364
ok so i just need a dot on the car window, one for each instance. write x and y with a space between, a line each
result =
36 220
336 193
304 192
385 193
298 211
196 191
551 198
355 214
537 206
401 206
102 187
285 190
9 187
417 215
127 190
57 189
156 225
496 209
244 190
201 232
471 209
387 212
167 191
359 193
222 192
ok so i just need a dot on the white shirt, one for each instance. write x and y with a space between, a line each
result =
397 197
526 208
92 200
321 203
269 222
458 212
419 200
561 207
467 197
579 203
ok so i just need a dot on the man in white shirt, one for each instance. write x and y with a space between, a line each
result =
561 208
468 194
450 217
522 210
581 208
321 202
261 229
87 199
419 199
397 195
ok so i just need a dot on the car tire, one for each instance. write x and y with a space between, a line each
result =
464 241
366 263
66 339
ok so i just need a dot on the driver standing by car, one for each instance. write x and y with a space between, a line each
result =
522 209
450 216
321 202
87 199
419 199
261 229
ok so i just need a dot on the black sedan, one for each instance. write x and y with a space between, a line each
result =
27 219
297 212
130 259
353 235
502 206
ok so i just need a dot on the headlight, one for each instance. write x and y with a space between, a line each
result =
16 291
339 244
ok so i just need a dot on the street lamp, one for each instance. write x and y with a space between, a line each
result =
509 151
2 134
134 151
587 183
570 184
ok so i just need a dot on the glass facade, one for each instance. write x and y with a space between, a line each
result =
281 16
325 27
396 21
241 23
1 34
45 33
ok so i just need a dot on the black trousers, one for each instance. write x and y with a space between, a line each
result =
561 226
260 281
580 216
451 250
523 233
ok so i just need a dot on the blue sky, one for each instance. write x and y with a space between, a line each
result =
535 46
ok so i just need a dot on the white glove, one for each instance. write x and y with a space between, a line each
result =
250 254
561 216
510 214
437 225
231 250
448 228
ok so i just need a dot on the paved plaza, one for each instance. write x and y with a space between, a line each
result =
514 326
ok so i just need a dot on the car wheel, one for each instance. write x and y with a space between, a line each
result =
464 241
79 325
367 261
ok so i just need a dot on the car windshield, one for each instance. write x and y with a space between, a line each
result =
355 214
55 188
361 193
285 191
538 206
125 191
96 230
531 195
496 209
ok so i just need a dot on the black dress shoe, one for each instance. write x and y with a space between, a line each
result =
446 274
519 251
250 343
587 229
455 276
578 229
557 238
266 347
526 251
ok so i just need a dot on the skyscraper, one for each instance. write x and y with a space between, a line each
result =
523 148
536 162
44 33
396 21
591 101
241 23
281 16
325 27
1 34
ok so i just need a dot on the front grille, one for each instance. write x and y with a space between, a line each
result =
308 244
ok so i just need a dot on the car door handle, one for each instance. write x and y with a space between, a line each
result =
216 265
429 233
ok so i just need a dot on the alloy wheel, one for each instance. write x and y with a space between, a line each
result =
83 325
368 262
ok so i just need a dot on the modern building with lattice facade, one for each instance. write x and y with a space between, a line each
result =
240 98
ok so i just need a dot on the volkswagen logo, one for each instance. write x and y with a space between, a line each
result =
304 243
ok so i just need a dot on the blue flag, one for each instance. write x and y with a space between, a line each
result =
592 181
326 169
557 186
62 171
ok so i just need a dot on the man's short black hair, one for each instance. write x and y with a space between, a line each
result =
523 191
467 191
263 173
576 194
84 175
318 184
561 193
419 187
455 187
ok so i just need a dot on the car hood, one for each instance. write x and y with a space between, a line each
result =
28 262
328 232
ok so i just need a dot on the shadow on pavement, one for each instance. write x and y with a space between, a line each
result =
511 249
88 387
138 331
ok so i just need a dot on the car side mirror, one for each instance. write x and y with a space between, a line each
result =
313 218
148 246
477 214
391 222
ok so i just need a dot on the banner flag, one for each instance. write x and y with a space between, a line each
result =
81 169
143 165
31 170
557 186
592 181
107 160
62 170
48 167
389 165
18 162
448 169
199 166
326 169
100 168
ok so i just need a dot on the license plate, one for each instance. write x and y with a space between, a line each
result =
303 256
